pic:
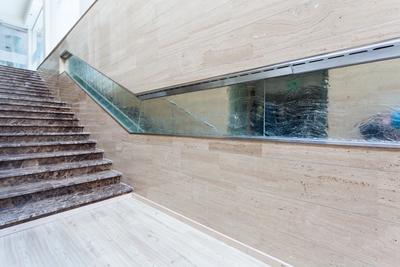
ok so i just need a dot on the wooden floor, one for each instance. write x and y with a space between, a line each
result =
120 232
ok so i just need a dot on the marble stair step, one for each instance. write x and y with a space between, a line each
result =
34 100
17 70
21 120
41 147
43 137
49 185
34 128
34 107
28 80
19 74
11 80
48 206
4 75
15 177
46 158
25 89
11 111
22 87
21 93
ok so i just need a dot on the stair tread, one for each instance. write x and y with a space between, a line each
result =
48 164
26 94
26 156
44 185
37 118
54 143
25 88
37 111
44 134
57 204
34 106
32 99
51 168
38 125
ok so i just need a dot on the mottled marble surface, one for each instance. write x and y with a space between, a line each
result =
51 205
47 163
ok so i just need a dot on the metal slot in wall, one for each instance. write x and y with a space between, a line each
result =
365 54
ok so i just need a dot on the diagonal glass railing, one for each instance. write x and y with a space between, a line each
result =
349 98
155 116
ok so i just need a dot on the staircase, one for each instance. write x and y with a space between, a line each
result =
48 164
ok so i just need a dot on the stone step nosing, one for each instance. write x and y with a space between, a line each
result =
6 174
49 155
44 134
8 87
44 144
18 93
31 102
6 74
90 196
32 99
25 82
37 111
17 70
42 186
6 77
38 118
34 106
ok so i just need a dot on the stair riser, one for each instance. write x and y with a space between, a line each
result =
24 89
47 148
33 108
18 139
17 70
23 85
28 98
13 164
22 77
53 175
21 200
7 79
14 100
33 114
40 129
26 94
53 122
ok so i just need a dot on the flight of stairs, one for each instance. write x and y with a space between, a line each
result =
48 163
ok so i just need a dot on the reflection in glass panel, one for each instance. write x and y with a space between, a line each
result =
364 102
355 103
296 105
13 46
246 109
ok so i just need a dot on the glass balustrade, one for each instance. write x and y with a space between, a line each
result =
354 104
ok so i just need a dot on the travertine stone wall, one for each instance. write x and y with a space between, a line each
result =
145 45
307 205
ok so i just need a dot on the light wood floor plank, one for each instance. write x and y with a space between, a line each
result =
126 232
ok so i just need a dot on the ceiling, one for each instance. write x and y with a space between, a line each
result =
14 11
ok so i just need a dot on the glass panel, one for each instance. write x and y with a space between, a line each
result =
364 102
356 103
13 46
37 38
296 106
